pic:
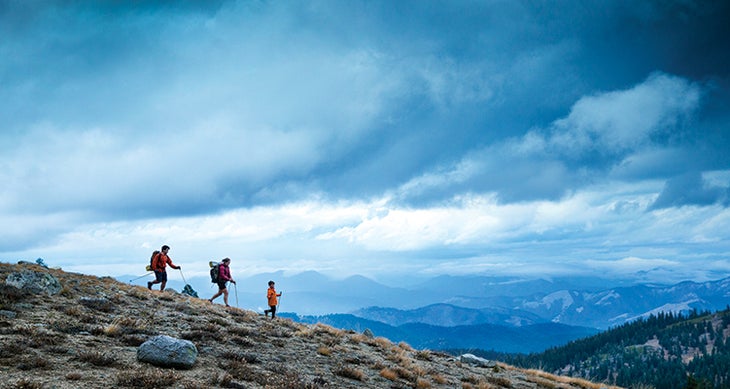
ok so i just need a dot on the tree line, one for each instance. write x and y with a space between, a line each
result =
666 350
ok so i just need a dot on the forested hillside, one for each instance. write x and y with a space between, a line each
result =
662 351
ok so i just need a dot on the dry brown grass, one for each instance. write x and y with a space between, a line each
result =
350 372
25 383
97 358
383 343
439 379
574 381
389 374
147 379
422 383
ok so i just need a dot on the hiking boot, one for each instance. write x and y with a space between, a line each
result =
149 285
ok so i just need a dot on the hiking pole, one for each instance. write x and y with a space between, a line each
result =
183 277
235 287
143 275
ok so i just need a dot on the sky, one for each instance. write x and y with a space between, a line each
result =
389 139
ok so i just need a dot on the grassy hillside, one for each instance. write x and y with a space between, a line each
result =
87 335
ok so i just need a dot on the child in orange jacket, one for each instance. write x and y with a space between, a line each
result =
271 296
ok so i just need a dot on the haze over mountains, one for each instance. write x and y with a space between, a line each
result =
438 312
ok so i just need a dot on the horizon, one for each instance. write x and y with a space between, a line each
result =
392 281
406 139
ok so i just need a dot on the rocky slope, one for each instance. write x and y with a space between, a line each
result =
84 331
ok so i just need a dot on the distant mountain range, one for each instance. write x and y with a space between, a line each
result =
525 339
449 301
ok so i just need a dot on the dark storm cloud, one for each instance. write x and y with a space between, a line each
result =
691 189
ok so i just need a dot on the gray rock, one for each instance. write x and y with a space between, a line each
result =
476 361
8 314
368 333
34 282
166 351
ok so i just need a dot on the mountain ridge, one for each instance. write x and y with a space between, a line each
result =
86 332
530 338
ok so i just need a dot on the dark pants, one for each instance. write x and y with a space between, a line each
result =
160 276
272 309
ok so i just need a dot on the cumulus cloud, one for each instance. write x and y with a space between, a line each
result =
615 123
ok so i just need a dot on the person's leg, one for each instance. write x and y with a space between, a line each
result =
273 311
221 288
158 279
164 281
225 296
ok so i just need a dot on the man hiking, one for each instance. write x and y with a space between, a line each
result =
224 275
159 262
271 297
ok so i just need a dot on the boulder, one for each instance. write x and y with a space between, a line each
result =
34 282
166 351
476 361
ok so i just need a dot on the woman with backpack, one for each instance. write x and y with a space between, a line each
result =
224 275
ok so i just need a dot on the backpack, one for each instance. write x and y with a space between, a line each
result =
152 259
214 271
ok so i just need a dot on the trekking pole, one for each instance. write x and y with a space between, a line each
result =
143 275
235 287
183 277
279 301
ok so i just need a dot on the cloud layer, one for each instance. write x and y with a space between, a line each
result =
499 137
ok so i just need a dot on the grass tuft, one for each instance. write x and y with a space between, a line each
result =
349 372
26 384
96 358
147 379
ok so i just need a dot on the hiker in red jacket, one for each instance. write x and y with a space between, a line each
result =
224 275
159 262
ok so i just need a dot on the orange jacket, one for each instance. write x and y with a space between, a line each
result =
271 296
161 260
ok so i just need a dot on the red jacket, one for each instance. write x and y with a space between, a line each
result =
161 260
224 272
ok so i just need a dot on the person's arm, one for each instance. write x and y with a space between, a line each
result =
172 265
